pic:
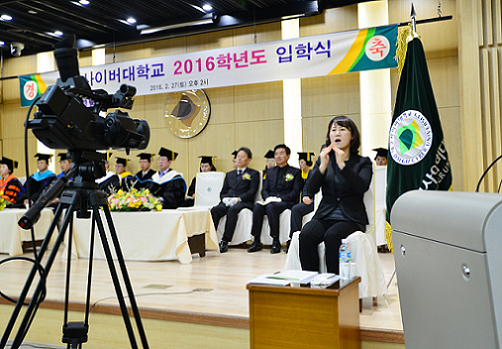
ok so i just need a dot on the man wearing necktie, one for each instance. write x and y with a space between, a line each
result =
238 192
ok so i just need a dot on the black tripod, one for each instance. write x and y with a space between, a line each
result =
81 193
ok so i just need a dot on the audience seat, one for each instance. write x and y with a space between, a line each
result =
207 188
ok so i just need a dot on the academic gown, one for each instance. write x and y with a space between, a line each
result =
11 188
36 183
109 183
171 187
141 180
126 180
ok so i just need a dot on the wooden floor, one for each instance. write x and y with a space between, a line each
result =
209 290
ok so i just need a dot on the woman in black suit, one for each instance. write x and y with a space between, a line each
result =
344 177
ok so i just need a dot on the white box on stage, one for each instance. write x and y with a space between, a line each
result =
448 255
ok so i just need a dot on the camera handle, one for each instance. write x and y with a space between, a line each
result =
75 333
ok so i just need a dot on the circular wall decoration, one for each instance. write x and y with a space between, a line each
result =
187 112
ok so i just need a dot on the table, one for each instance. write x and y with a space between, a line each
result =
303 317
12 236
150 236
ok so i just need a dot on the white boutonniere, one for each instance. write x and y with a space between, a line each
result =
246 177
289 177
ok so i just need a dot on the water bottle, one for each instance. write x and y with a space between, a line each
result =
344 258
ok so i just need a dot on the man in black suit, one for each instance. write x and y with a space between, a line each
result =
281 190
238 192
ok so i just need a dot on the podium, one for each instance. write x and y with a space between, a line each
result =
303 317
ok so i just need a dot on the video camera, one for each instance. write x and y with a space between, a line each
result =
68 115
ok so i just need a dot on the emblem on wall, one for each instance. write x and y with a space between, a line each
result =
187 112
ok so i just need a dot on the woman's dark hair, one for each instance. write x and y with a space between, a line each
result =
345 121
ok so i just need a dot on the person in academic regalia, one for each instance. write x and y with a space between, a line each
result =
10 186
65 163
126 178
110 182
270 156
206 165
167 183
145 162
234 161
38 181
307 205
381 157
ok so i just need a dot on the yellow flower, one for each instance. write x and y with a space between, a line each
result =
120 193
158 208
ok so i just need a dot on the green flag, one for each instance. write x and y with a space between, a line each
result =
417 157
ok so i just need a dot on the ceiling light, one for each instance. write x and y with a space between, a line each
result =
131 20
2 43
6 17
58 33
207 7
32 12
150 30
84 2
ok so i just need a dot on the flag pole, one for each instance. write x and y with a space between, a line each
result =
413 20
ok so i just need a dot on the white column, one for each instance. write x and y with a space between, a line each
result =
376 108
46 63
292 99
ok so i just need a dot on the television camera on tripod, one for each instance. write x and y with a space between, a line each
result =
69 117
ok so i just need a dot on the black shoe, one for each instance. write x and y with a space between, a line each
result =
287 246
276 247
255 247
223 246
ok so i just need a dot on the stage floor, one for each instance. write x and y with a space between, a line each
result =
212 286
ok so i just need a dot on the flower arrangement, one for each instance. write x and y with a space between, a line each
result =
246 177
289 177
134 200
3 202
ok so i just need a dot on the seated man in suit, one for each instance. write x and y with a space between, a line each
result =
145 162
38 181
10 186
167 183
281 190
238 192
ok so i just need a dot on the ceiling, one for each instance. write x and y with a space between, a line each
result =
33 23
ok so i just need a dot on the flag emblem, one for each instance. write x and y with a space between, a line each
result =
410 138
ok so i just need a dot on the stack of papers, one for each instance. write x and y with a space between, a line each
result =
285 278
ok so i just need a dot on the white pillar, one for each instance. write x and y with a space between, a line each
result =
46 63
292 99
376 108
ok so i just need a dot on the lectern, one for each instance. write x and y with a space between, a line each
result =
448 255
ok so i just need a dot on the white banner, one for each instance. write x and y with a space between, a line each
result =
320 55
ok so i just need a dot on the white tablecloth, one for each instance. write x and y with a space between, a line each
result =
12 236
149 236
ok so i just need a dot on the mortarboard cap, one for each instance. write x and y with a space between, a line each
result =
121 161
45 157
11 164
146 156
169 154
63 156
207 159
307 156
270 154
380 152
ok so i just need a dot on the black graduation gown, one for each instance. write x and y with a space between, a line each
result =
141 180
172 190
36 188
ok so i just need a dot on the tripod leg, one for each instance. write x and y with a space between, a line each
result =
33 306
113 273
125 276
